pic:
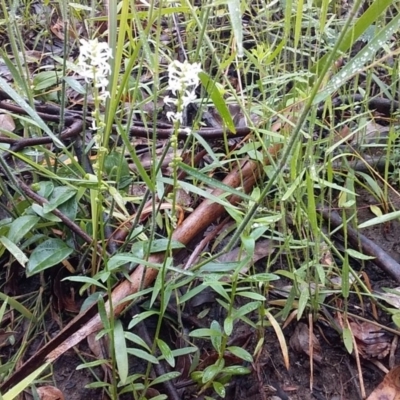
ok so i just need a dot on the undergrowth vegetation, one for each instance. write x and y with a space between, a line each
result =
161 160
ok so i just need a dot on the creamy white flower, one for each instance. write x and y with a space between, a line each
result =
175 116
170 101
93 63
186 130
188 97
182 76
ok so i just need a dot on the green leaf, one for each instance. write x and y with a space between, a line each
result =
91 364
246 309
363 23
45 80
237 25
348 340
21 226
166 352
216 340
356 254
303 300
143 355
219 389
14 250
137 340
69 208
45 188
228 325
241 353
205 332
47 254
75 85
59 196
166 377
24 383
236 370
159 245
17 306
218 100
396 319
212 371
356 64
380 220
252 295
139 318
121 355
49 216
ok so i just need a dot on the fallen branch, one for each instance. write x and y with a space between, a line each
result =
368 247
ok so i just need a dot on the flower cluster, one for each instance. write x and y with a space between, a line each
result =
183 78
93 64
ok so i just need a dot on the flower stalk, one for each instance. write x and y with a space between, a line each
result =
183 79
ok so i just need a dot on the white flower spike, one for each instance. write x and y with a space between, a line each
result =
183 78
93 63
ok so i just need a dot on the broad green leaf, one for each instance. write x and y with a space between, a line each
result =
14 250
216 340
121 355
212 370
59 196
45 80
166 352
69 208
218 100
219 389
21 226
49 216
45 188
47 254
241 353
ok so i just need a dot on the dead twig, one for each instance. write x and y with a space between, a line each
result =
368 247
